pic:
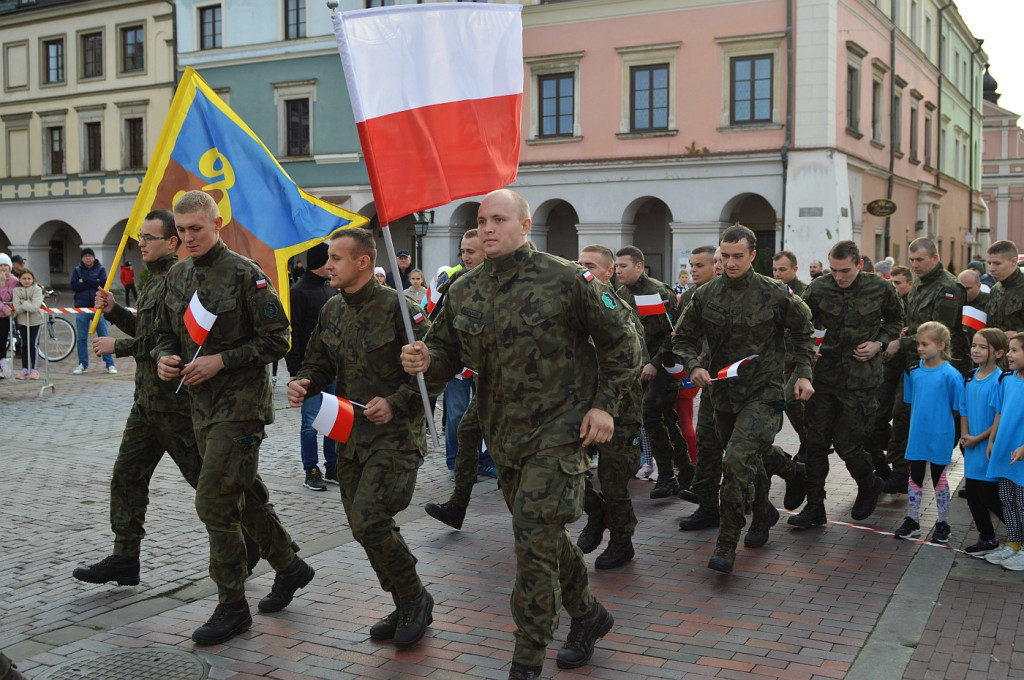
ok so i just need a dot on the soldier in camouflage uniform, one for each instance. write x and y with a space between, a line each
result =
534 327
660 389
231 403
741 314
937 295
784 268
860 313
357 341
976 297
1006 301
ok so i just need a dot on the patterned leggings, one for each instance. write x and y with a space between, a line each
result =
1012 497
939 484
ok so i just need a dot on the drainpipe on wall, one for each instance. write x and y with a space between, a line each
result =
887 230
970 150
789 115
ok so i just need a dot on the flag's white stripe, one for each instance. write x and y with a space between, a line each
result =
406 57
649 299
203 317
327 415
975 313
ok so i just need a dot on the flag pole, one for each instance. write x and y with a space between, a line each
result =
393 261
110 279
183 377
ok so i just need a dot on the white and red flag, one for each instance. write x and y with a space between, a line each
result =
819 336
676 370
335 417
466 373
733 370
650 304
437 93
974 318
198 320
432 298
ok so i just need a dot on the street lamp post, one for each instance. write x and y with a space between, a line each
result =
424 219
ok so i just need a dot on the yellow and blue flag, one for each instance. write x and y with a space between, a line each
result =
205 145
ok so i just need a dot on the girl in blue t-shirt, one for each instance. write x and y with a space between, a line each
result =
1006 446
935 392
988 350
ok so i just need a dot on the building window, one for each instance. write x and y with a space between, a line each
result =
93 147
379 3
294 19
897 121
943 150
751 89
53 56
134 144
852 98
914 123
876 111
209 27
133 51
649 97
298 126
55 150
92 55
927 139
915 17
557 103
928 37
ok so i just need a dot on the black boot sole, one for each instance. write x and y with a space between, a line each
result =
120 580
238 630
720 564
601 632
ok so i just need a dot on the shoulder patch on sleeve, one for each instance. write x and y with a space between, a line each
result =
949 296
913 365
587 276
261 283
270 310
417 317
608 299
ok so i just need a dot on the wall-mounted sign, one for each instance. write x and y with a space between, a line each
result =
881 207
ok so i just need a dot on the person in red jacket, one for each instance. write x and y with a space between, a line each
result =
128 281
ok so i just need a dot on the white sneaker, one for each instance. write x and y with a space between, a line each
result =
80 369
645 471
111 370
1001 555
1014 562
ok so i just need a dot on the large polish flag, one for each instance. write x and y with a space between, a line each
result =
198 320
974 318
437 94
335 417
649 305
733 370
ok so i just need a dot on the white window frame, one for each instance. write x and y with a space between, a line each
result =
547 65
753 45
287 91
648 55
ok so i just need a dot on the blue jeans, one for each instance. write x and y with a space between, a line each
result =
307 435
82 322
456 400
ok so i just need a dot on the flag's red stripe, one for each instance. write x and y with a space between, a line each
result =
452 150
971 322
343 421
651 310
195 331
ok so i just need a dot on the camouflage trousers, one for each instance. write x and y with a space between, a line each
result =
230 493
617 462
707 478
836 418
373 492
147 436
662 424
467 458
900 432
877 441
544 494
795 410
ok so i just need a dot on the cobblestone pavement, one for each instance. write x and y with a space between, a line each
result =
832 602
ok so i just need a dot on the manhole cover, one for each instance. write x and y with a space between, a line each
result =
132 664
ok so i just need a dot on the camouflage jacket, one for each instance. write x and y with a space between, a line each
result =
937 296
798 286
1006 303
547 345
357 343
657 327
150 391
250 332
868 310
737 318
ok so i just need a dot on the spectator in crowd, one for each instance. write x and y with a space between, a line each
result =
18 265
682 282
128 281
88 277
417 289
404 264
381 276
815 269
987 280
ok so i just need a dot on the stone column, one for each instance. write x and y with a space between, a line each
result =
440 248
613 234
685 237
539 235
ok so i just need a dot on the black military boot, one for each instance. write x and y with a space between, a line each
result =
796 491
897 483
724 557
702 518
685 478
592 534
688 496
615 555
812 515
414 615
228 620
867 499
584 632
450 513
666 486
520 672
385 628
297 575
124 570
757 535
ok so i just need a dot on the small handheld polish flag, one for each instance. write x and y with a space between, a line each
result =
819 337
650 304
198 320
733 370
335 417
466 373
974 318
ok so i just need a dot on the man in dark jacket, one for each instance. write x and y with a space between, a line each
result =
88 277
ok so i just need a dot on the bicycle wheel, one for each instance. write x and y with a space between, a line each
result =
60 338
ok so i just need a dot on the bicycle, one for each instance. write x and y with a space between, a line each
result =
61 336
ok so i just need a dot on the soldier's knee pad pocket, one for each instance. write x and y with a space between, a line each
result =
551 492
399 487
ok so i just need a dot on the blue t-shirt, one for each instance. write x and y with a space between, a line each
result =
933 394
980 415
1008 402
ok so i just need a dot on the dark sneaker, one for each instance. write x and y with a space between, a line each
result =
941 533
450 513
124 570
688 496
331 474
982 548
813 515
757 536
897 484
867 499
724 557
685 477
665 486
702 518
297 575
414 615
228 620
592 535
520 672
584 632
314 480
796 492
909 529
615 555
